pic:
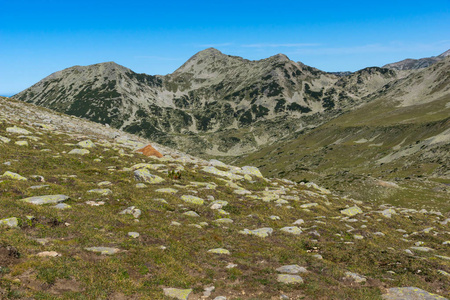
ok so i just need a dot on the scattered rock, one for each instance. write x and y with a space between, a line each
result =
4 139
217 163
131 211
378 233
167 191
292 229
355 277
47 199
12 175
10 222
101 192
388 212
309 205
409 293
299 222
179 294
104 183
292 269
133 234
86 144
261 232
252 171
17 130
145 175
421 249
79 151
231 265
223 221
62 206
219 251
207 291
218 172
289 279
48 254
242 192
192 199
103 250
442 257
150 151
21 143
351 211
95 203
191 214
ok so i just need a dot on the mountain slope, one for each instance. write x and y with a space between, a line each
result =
126 228
401 134
214 104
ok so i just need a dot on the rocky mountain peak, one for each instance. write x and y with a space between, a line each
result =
106 69
445 54
210 52
279 57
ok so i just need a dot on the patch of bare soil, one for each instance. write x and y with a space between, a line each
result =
9 255
65 285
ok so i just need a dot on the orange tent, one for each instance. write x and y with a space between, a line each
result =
150 151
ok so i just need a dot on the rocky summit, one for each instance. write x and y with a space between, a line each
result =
83 215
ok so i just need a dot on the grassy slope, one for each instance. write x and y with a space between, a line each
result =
143 268
343 153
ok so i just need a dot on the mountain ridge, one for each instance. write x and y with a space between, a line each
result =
214 104
414 64
211 91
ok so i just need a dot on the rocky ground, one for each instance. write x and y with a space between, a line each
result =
86 217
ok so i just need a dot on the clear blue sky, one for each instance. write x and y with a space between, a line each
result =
40 37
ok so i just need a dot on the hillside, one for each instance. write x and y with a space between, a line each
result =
214 104
401 135
116 224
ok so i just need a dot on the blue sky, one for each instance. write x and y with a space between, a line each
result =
39 37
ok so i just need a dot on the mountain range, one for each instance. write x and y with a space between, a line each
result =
289 119
214 104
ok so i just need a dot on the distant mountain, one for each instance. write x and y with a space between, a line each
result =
213 104
413 64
